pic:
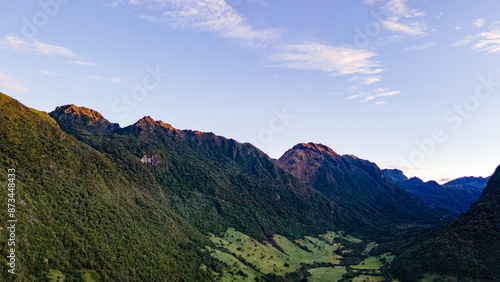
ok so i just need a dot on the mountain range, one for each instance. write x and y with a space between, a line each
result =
453 197
141 202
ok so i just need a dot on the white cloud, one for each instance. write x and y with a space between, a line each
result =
365 80
34 47
319 57
458 27
413 28
369 98
380 103
82 63
50 72
478 23
400 9
386 93
488 42
362 94
400 18
215 16
100 78
11 84
374 94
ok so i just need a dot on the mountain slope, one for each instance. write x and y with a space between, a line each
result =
468 248
454 197
357 186
79 214
212 182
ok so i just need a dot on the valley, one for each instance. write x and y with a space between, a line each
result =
312 258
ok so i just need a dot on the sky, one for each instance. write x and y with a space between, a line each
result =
412 85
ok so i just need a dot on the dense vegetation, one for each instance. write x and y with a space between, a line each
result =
79 214
468 248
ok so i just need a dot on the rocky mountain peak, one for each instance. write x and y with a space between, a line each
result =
315 147
81 111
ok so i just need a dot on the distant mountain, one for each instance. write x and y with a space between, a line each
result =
454 197
468 183
467 249
358 187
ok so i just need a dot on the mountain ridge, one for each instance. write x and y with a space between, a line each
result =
453 197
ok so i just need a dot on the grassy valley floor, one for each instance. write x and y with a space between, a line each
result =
319 258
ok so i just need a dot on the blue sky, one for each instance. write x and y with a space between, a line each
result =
413 85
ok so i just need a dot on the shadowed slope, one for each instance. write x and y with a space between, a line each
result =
467 248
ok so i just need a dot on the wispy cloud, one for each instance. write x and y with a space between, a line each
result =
415 28
325 58
355 96
401 18
365 80
11 84
488 42
50 72
368 98
400 9
386 93
478 23
34 47
215 16
100 78
374 94
87 64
